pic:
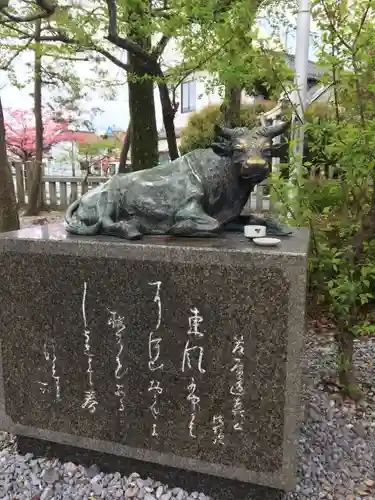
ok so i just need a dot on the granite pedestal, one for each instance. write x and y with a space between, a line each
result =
184 353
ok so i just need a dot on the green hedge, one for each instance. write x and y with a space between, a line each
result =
199 131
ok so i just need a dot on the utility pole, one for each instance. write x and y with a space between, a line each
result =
299 95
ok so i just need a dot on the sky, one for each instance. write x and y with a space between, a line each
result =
116 113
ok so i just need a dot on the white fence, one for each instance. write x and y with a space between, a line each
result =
58 192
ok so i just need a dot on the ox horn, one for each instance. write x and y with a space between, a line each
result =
225 132
275 130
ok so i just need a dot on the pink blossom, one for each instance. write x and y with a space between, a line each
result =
20 132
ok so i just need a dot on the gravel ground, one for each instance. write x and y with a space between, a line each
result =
336 448
337 443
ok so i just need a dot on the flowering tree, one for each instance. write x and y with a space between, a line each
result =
20 133
9 218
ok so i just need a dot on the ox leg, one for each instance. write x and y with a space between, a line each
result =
193 221
127 229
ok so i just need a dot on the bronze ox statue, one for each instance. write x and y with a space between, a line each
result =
198 194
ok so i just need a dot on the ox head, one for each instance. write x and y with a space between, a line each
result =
249 150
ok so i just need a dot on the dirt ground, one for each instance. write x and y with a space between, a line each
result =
41 219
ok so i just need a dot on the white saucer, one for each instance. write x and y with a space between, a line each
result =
266 242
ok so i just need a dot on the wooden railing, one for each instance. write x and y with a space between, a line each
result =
59 191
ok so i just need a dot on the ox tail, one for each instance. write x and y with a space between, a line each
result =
79 227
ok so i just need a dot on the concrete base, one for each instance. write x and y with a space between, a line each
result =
184 353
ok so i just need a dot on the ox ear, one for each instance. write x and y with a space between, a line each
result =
220 149
225 132
275 130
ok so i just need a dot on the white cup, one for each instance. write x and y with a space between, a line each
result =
255 231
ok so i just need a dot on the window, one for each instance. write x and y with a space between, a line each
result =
188 96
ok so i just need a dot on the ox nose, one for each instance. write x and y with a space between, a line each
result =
256 161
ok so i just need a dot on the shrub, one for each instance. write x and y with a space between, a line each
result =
199 131
322 193
341 216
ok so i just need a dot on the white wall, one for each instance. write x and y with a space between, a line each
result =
203 98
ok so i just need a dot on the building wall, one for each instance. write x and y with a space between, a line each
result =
192 91
202 96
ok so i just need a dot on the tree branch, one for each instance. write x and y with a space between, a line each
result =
162 13
47 10
112 18
5 66
45 5
160 46
124 43
333 27
62 37
362 22
24 34
68 58
203 61
112 58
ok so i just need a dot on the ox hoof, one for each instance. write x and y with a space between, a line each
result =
133 234
192 228
128 230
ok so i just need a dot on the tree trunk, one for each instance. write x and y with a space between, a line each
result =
344 337
231 107
84 182
168 120
125 151
347 375
144 137
36 174
367 230
9 220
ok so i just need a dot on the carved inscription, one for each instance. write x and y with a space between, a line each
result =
90 402
192 364
49 351
237 389
154 363
192 350
116 322
194 320
218 429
